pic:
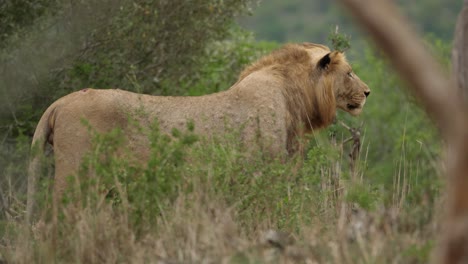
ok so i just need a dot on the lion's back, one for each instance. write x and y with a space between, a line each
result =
101 110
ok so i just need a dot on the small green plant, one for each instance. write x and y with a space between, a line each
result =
419 253
362 195
340 42
158 184
110 172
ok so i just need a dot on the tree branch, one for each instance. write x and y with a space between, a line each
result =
459 54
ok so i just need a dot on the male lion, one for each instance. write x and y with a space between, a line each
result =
276 100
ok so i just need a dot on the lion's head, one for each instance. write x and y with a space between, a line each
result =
350 92
315 82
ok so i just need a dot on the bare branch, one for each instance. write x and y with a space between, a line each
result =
344 125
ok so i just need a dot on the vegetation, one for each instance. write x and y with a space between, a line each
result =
199 200
300 20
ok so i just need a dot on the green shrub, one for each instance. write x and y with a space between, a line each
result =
141 190
363 195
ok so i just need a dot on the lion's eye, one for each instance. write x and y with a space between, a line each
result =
350 74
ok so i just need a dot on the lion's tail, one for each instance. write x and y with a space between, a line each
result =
42 136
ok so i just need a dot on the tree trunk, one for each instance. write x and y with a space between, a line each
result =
459 54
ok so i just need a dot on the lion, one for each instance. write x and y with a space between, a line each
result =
277 100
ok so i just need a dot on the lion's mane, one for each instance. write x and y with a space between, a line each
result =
308 94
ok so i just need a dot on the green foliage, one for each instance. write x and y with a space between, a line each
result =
422 16
302 20
420 253
363 196
142 191
12 172
16 16
320 155
440 49
158 43
340 42
313 25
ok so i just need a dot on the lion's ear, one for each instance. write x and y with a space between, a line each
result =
330 59
324 61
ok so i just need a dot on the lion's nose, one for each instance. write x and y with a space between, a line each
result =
367 93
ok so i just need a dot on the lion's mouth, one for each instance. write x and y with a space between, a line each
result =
353 106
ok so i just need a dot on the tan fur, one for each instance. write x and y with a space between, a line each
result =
274 103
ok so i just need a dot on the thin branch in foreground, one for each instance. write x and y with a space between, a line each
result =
356 148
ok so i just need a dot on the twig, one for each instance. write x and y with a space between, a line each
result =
356 148
347 140
3 206
6 135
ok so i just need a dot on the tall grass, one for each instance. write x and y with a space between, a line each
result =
201 200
